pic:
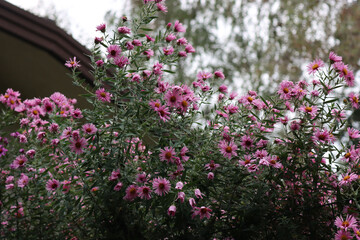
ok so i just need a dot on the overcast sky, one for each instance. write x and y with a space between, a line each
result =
79 16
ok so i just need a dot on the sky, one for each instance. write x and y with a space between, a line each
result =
79 17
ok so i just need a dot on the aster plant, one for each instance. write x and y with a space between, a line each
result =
146 162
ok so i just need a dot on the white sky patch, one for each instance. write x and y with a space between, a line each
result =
80 17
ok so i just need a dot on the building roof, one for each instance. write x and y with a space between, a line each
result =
33 54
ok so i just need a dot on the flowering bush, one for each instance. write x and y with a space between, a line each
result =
154 160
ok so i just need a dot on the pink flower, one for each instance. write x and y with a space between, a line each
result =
178 27
210 176
77 145
129 46
198 193
246 142
167 154
149 39
118 186
131 193
181 41
121 61
124 30
179 185
322 136
348 178
161 7
212 166
3 150
89 128
354 100
170 37
19 162
173 98
189 48
72 63
141 178
52 185
137 42
149 53
311 110
102 95
192 202
219 74
115 175
342 235
202 212
353 133
181 197
183 151
23 180
144 192
314 66
101 27
172 210
223 89
114 51
285 89
161 186
168 51
273 161
334 58
163 113
98 40
349 222
228 149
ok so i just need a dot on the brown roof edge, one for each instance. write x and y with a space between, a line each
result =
44 34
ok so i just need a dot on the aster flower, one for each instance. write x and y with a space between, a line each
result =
285 89
173 98
72 63
322 136
52 185
348 223
198 193
343 235
149 39
101 27
124 30
118 186
183 152
353 133
77 145
182 41
202 212
121 61
148 53
168 51
102 95
334 58
170 37
311 110
131 193
23 180
3 150
189 49
172 210
161 7
19 162
115 175
114 51
354 100
246 142
219 74
167 154
181 197
274 161
178 27
144 192
161 186
163 113
136 42
228 149
89 128
314 66
348 178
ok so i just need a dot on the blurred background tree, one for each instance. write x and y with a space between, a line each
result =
258 43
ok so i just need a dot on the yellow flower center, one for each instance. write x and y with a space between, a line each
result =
308 109
315 66
285 90
347 155
168 155
346 178
228 149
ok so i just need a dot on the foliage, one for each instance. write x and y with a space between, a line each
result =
147 162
